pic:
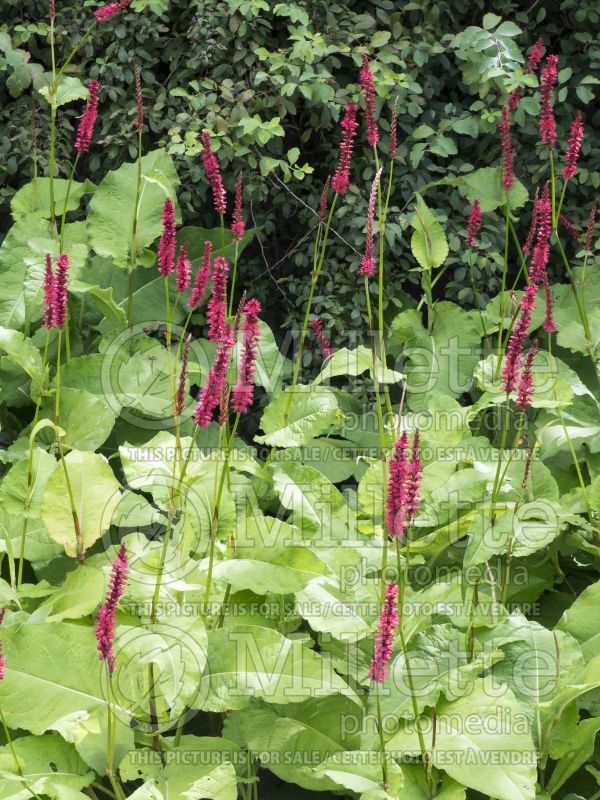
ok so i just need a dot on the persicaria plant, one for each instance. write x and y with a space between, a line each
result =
224 576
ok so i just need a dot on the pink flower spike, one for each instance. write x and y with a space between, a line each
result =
202 278
525 389
49 301
384 640
368 86
413 480
52 10
508 172
216 382
323 203
535 56
326 348
216 315
547 121
367 264
111 10
183 270
213 175
237 224
569 227
341 179
514 349
573 147
474 224
541 250
166 246
105 624
87 123
243 391
533 227
59 313
396 488
549 325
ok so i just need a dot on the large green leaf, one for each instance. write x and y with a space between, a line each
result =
355 362
248 661
95 493
582 620
49 766
14 270
311 411
77 408
482 741
485 185
112 208
34 197
428 243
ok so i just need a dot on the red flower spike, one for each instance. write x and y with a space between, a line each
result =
213 175
341 179
514 349
473 224
589 234
183 270
111 10
166 246
547 121
202 278
237 224
243 391
525 389
87 123
59 312
216 382
326 348
573 147
368 86
105 624
396 488
217 315
384 641
508 172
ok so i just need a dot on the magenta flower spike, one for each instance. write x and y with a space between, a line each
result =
87 123
368 86
202 277
243 391
183 270
473 224
105 624
384 640
216 315
573 147
547 121
367 263
326 348
508 156
110 10
341 179
216 382
213 175
237 223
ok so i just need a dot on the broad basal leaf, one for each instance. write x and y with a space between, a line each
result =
289 424
428 243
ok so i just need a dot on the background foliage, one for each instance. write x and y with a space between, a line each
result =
271 79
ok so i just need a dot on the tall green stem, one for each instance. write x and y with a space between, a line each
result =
134 227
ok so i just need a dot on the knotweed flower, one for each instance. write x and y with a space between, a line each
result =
105 624
514 349
341 179
213 175
237 224
525 388
243 391
394 130
180 394
413 480
368 86
367 263
166 246
573 147
202 278
59 312
474 224
183 270
569 227
541 251
533 62
396 488
52 10
508 172
216 315
49 300
547 121
533 227
139 100
589 234
326 348
216 382
323 203
384 641
111 10
85 131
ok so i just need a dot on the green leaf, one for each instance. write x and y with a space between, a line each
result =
311 411
49 766
69 88
360 772
77 408
95 495
112 208
34 197
485 185
500 754
355 362
582 621
248 661
428 243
